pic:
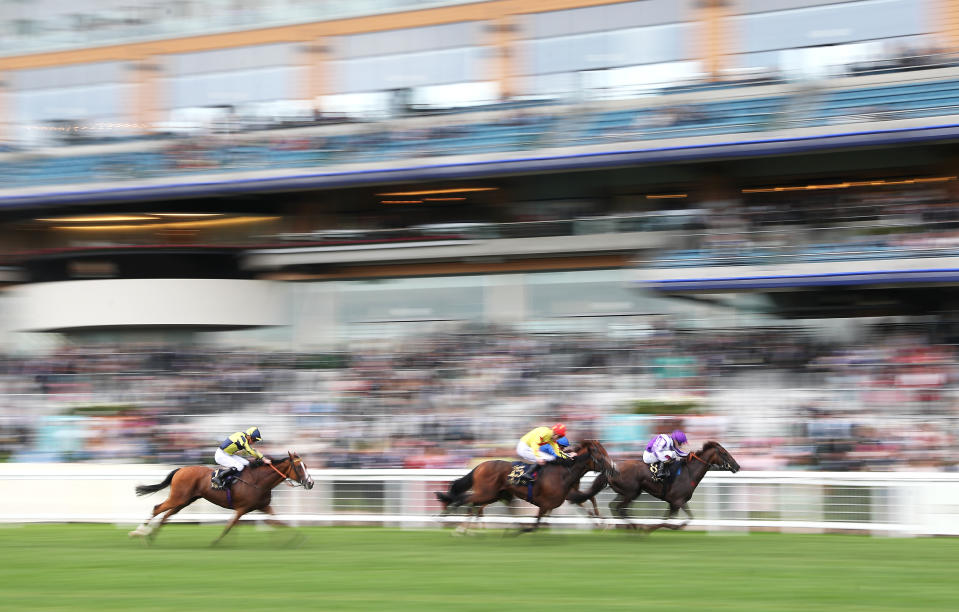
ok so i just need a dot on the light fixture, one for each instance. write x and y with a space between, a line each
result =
665 196
401 202
438 191
847 184
202 223
98 219
188 215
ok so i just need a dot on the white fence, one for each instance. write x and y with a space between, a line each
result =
896 503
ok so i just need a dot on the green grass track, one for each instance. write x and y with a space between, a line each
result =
97 568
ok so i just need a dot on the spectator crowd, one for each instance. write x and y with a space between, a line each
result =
784 398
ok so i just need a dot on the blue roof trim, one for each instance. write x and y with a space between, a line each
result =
753 147
806 280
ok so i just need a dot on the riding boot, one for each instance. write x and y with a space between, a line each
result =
530 474
226 476
658 470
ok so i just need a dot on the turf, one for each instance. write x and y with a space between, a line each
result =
97 568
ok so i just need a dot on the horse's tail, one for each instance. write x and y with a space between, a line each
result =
144 489
599 483
457 488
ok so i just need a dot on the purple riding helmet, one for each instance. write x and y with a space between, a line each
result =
678 437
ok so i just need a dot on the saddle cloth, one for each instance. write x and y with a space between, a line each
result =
517 475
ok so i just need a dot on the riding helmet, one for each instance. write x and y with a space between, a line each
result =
254 433
679 437
559 429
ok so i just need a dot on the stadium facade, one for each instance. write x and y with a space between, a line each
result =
306 179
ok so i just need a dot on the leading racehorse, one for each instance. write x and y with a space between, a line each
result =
634 477
487 482
252 490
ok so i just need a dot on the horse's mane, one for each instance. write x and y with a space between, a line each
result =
709 445
259 462
584 443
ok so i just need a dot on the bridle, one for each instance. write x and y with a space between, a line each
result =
725 464
289 480
609 470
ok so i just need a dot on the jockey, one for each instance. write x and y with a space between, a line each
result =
562 442
662 450
530 447
227 453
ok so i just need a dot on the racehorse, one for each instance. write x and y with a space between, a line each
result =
487 483
634 477
252 490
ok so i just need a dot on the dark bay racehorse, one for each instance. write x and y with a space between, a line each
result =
634 477
252 490
487 483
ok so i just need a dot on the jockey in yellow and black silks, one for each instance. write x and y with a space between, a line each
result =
229 454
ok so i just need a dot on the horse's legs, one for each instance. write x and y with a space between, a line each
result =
298 536
463 528
271 517
622 506
229 525
595 511
535 526
480 498
670 514
169 506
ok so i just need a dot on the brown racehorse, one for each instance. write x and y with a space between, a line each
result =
252 490
634 477
487 483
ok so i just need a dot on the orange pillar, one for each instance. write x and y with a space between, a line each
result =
146 105
944 24
714 42
318 54
503 60
6 130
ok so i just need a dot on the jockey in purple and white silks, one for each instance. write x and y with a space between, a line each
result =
663 449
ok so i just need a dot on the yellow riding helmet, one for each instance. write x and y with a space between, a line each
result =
254 433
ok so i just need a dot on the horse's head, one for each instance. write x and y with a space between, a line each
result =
295 469
596 457
715 455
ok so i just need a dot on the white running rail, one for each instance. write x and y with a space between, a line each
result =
895 503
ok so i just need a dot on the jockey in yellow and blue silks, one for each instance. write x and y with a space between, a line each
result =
229 451
562 442
541 445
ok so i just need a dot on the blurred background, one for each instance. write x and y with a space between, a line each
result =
400 233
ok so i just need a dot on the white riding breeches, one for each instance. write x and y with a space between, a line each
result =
528 454
227 460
